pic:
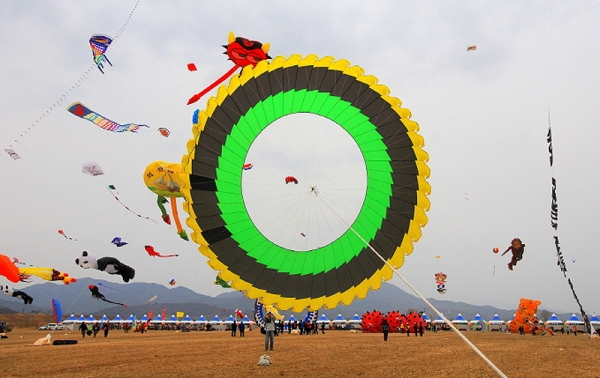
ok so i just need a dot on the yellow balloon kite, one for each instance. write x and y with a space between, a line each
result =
163 179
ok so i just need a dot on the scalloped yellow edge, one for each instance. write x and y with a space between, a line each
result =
406 246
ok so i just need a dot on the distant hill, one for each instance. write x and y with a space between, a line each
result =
76 298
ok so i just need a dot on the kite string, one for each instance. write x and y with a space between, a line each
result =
73 87
128 209
467 341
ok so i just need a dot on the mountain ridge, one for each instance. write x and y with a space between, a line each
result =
76 299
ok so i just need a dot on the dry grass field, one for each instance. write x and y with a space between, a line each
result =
334 354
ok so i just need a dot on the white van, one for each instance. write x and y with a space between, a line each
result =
52 326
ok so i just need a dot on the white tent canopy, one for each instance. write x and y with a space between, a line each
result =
460 323
339 319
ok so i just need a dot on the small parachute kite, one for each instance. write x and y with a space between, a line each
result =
84 112
471 48
242 52
99 43
92 168
164 179
192 67
48 274
290 179
153 253
96 294
151 300
118 242
65 235
248 166
164 132
172 281
7 290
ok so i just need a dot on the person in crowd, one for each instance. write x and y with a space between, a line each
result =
83 329
241 328
385 328
233 328
269 331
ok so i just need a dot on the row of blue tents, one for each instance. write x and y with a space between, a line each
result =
200 320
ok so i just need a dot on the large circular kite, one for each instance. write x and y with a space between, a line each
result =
302 241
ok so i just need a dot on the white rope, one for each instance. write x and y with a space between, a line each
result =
469 343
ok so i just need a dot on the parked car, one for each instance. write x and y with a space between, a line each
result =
52 326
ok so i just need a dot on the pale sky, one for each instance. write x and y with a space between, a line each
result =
483 115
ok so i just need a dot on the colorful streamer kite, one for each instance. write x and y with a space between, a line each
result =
99 44
82 111
112 189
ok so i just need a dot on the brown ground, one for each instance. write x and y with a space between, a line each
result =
337 353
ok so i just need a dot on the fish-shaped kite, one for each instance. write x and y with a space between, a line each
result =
153 253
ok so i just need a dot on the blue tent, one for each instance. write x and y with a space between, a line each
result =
477 323
229 320
594 320
90 319
173 319
186 319
70 319
496 320
246 320
157 320
460 322
104 319
574 320
117 319
439 320
339 319
215 320
553 321
292 318
323 319
201 320
144 318
355 319
130 319
426 318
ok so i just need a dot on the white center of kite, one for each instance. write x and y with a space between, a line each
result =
304 181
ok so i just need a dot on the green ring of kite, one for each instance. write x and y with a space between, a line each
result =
212 182
245 232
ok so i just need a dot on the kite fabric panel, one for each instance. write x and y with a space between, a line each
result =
99 44
81 111
395 203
